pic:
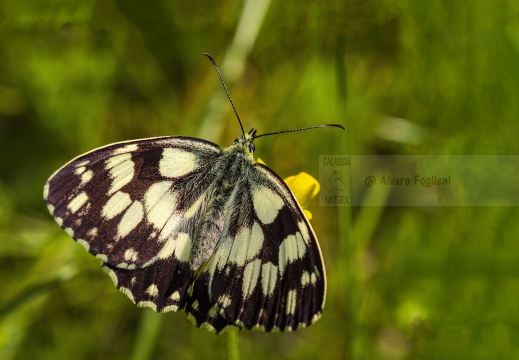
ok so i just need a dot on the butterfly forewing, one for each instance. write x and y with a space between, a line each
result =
181 224
123 201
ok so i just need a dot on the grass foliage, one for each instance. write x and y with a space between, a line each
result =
404 282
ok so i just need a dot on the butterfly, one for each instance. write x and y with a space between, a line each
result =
182 224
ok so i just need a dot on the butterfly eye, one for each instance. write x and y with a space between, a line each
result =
252 147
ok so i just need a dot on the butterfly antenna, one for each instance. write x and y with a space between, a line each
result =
225 88
302 129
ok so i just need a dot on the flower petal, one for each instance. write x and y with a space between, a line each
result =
304 186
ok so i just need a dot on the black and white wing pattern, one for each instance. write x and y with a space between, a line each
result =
180 224
266 273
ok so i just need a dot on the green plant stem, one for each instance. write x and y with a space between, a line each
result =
233 351
147 335
233 64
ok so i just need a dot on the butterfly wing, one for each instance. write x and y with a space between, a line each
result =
164 282
122 201
267 271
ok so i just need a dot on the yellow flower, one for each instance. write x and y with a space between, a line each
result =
304 187
261 161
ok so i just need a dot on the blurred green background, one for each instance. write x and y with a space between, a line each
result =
404 282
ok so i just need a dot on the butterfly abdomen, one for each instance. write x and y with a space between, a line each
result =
219 205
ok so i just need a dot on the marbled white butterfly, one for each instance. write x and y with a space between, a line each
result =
179 223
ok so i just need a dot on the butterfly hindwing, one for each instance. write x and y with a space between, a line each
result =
161 286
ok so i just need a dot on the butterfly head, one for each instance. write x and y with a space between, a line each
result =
245 142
